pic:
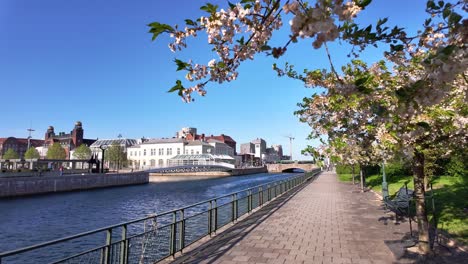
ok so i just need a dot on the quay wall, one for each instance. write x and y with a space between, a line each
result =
21 186
187 176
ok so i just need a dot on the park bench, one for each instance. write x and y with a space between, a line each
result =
401 202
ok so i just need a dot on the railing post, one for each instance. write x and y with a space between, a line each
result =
124 246
173 240
182 230
233 209
236 203
210 218
249 201
260 196
105 256
215 215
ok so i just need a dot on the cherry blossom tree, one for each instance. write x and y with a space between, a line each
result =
412 99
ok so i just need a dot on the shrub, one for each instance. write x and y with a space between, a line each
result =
397 169
346 169
456 167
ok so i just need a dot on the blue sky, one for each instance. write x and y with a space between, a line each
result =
93 61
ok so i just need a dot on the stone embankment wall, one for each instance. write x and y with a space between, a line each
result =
187 176
20 186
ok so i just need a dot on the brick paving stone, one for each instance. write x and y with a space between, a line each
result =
324 222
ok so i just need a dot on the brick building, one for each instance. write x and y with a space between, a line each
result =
68 141
19 145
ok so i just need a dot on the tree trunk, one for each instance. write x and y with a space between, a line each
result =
419 196
353 174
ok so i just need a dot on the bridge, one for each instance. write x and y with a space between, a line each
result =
289 167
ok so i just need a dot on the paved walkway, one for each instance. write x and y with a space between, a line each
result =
324 222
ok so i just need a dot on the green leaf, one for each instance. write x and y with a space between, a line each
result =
382 21
266 47
396 47
241 41
363 3
424 125
448 50
231 5
190 22
430 5
454 18
157 28
446 13
181 65
177 87
210 8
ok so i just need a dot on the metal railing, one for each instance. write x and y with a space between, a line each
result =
154 237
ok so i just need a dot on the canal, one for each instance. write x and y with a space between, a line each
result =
35 219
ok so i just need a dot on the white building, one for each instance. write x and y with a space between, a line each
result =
156 153
221 148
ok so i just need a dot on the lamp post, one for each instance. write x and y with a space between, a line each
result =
103 149
384 182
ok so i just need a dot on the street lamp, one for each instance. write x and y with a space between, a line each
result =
384 182
103 149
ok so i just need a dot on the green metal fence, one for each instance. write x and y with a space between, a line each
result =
155 237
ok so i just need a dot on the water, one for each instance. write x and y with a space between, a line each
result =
31 220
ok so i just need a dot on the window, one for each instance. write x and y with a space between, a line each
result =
153 163
160 162
168 151
191 151
178 151
186 151
198 152
161 151
144 152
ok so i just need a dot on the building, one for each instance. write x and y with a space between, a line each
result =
165 152
68 141
260 147
273 154
256 151
19 145
190 133
221 148
225 139
154 153
185 131
247 148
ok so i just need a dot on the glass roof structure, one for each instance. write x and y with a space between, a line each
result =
200 159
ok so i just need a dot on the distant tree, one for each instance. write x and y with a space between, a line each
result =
32 153
56 152
83 152
116 155
10 154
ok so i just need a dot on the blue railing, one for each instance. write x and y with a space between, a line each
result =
154 237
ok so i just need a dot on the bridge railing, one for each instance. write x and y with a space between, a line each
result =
154 237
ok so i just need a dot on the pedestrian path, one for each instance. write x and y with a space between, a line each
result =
324 222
